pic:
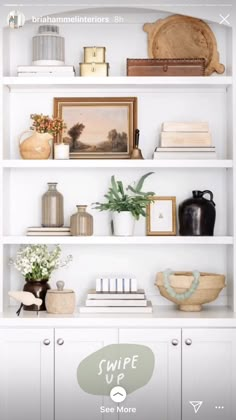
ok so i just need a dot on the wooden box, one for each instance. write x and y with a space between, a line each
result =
94 54
166 67
94 69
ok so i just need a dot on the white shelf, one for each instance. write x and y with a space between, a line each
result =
73 82
162 316
115 240
111 163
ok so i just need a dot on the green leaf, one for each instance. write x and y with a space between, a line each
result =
121 188
114 187
140 183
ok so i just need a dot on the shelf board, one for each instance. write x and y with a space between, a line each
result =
164 316
73 82
117 163
116 240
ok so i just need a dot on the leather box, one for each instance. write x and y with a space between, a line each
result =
166 67
94 69
94 54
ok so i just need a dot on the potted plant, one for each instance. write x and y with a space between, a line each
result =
126 205
45 129
36 263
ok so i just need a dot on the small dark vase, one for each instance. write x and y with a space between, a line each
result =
39 289
197 215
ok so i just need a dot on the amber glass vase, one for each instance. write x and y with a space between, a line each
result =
81 223
52 207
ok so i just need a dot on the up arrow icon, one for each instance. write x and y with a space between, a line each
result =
196 405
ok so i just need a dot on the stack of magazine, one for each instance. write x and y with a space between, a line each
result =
180 140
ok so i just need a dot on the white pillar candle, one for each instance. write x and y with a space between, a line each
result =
61 151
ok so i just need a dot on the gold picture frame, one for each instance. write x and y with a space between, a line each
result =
98 128
161 216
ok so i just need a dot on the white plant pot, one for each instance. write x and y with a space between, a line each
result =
123 223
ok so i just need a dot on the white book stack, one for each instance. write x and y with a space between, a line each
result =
47 231
116 295
180 140
46 71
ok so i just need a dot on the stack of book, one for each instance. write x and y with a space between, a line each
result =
115 296
47 231
185 141
43 71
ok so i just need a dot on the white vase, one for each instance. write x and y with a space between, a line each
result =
123 223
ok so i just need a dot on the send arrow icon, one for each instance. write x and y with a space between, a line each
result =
196 405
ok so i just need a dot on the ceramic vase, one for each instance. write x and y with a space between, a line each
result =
197 215
52 207
39 289
81 223
48 47
36 146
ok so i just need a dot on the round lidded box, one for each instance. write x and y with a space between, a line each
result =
60 300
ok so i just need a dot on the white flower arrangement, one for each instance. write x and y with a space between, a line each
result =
36 262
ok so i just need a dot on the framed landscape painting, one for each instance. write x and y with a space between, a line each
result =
98 128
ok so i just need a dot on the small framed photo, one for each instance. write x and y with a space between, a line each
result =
161 216
98 128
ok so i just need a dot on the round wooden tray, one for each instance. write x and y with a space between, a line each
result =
180 36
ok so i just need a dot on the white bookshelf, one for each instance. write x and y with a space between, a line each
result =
22 182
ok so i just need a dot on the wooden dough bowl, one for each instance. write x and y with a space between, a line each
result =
208 290
184 37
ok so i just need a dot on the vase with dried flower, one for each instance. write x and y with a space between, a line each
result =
43 130
36 263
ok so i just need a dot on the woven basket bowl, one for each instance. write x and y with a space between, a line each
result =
208 290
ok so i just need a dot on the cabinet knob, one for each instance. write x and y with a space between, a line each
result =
60 341
175 342
188 342
46 342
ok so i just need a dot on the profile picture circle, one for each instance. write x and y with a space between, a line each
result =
15 19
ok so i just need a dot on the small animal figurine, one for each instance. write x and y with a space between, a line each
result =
25 298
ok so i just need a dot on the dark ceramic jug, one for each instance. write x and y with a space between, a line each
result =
197 215
39 289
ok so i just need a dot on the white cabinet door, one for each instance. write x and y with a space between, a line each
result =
26 374
161 397
209 373
71 347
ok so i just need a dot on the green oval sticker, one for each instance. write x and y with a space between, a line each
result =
128 365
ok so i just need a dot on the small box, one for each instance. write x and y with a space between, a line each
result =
94 54
94 69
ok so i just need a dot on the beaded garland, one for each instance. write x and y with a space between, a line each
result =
188 293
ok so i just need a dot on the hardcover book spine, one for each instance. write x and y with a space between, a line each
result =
169 139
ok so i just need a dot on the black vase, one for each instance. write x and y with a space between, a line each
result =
197 215
39 289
